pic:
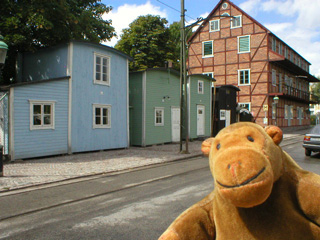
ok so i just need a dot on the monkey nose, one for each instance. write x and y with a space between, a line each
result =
233 167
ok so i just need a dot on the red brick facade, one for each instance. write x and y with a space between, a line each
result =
274 68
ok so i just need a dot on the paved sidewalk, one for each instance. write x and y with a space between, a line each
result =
22 174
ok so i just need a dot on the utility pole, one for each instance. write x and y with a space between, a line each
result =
183 84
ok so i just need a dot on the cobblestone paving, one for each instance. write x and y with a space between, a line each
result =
45 170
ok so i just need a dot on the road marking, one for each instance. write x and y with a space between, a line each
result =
147 181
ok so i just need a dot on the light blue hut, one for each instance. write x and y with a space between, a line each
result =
70 98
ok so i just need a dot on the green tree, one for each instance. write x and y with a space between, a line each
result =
28 25
146 41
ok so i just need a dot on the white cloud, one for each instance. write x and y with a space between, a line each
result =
251 7
301 32
127 13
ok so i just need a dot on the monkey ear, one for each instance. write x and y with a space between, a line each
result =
275 133
206 146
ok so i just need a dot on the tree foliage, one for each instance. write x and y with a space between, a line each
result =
146 41
27 25
315 89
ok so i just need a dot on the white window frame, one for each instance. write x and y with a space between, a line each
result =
239 37
101 125
231 22
101 82
42 115
211 23
209 55
274 77
244 84
245 105
161 109
200 87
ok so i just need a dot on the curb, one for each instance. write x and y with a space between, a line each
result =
114 172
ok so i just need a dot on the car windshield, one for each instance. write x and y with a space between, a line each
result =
315 130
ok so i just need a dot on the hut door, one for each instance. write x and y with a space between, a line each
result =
200 120
175 124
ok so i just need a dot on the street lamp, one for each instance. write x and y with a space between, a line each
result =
3 51
275 101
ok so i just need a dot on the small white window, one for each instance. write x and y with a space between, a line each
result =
280 48
224 5
207 49
244 77
101 69
245 105
243 44
274 44
214 25
236 21
101 116
42 114
159 116
274 77
200 87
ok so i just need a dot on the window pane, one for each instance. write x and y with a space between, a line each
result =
47 109
98 120
98 76
36 109
98 111
98 68
37 120
47 120
98 60
105 61
105 112
105 120
104 77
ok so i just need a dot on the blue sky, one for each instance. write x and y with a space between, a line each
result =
296 22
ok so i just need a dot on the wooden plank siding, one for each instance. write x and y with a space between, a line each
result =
85 93
136 108
160 84
196 99
43 142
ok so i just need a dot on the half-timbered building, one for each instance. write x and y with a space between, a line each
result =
237 50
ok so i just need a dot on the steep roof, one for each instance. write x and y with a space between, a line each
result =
211 14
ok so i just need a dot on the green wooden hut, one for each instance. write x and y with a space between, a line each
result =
154 99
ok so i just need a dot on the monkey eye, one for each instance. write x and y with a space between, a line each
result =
250 138
218 146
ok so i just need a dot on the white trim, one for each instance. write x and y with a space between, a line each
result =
210 24
101 125
52 115
244 84
100 82
144 103
202 87
232 27
70 67
161 109
11 124
239 43
207 56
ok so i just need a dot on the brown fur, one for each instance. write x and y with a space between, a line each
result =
260 192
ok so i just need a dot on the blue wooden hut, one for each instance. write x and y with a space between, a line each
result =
70 98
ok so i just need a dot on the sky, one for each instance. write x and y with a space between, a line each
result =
295 22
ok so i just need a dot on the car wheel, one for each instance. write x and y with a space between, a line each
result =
308 152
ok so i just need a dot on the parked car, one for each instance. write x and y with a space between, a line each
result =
311 141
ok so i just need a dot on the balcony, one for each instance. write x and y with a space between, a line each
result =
292 93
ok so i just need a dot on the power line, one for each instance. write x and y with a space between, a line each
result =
174 9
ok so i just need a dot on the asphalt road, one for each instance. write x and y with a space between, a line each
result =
126 206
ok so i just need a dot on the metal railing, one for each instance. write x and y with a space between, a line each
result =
293 92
